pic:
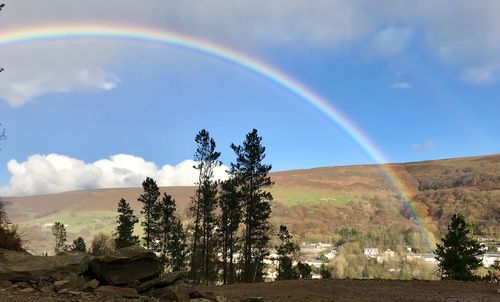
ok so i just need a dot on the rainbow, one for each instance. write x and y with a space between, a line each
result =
238 59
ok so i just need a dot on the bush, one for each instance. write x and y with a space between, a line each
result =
102 244
11 238
79 245
324 272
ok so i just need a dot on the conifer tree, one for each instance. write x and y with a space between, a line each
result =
458 255
59 232
150 210
252 177
178 247
166 227
285 251
203 208
229 222
125 226
79 245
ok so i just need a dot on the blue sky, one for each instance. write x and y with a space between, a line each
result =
417 86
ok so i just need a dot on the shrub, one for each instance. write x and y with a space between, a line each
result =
79 245
11 238
102 244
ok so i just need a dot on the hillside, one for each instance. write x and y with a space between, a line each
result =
320 204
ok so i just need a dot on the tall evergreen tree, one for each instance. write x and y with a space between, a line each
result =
285 251
178 247
125 226
150 210
167 224
229 222
458 255
59 232
203 208
252 177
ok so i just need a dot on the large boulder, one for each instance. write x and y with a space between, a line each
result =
20 266
161 282
126 265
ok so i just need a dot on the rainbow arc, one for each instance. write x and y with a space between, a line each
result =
233 57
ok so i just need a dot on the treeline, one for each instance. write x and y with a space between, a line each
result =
480 206
228 233
374 222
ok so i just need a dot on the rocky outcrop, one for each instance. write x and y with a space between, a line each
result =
161 282
20 266
115 291
128 273
125 266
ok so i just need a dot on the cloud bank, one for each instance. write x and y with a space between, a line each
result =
53 173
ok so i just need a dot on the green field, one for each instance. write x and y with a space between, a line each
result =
294 196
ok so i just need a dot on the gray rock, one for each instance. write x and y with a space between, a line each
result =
47 289
6 284
164 281
165 294
20 266
90 285
69 284
115 291
126 265
21 285
27 290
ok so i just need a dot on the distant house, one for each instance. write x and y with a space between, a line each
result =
315 263
330 255
490 258
413 257
371 252
430 258
386 256
315 276
47 225
315 248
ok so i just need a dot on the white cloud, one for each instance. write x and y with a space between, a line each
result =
390 41
401 85
52 173
426 146
46 68
481 74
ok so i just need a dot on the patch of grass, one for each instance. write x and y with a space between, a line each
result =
294 196
78 220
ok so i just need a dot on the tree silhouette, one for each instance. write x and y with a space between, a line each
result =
59 232
125 226
458 255
79 245
229 222
285 251
203 207
151 213
252 178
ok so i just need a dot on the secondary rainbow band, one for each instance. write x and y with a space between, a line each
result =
125 32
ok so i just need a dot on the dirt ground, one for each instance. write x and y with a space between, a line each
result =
314 290
361 290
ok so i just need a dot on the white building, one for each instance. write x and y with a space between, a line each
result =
316 263
429 257
490 258
370 252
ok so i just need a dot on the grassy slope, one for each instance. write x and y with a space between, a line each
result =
315 201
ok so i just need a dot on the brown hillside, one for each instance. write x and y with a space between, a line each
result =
314 203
